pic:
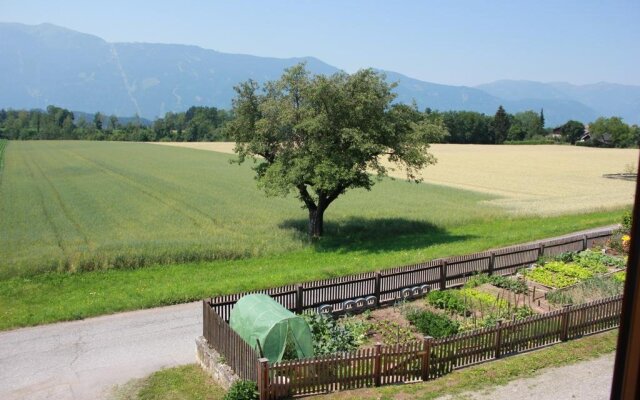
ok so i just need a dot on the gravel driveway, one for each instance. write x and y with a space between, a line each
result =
587 380
84 359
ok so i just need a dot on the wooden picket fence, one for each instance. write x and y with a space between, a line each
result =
387 286
237 353
433 358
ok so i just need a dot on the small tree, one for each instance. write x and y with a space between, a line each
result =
612 132
500 125
572 131
98 120
321 136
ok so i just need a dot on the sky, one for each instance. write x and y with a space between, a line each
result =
450 42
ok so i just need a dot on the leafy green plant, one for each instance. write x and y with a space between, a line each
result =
596 261
569 270
393 333
620 276
523 312
330 336
591 289
477 280
559 297
514 285
242 390
549 278
447 300
482 300
627 219
432 324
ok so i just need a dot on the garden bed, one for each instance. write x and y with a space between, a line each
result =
484 301
438 314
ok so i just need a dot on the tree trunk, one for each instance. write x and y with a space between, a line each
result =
316 223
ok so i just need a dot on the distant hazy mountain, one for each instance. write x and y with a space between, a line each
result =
46 64
599 99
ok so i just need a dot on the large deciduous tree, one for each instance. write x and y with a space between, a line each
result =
319 136
572 131
612 132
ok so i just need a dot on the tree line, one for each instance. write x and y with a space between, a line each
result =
195 124
210 124
529 127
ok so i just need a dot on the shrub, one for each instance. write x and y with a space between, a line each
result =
432 324
242 390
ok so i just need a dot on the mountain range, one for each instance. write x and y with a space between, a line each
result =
47 64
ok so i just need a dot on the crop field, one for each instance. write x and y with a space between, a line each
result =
96 227
525 179
68 206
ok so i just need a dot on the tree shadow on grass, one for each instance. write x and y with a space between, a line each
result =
375 235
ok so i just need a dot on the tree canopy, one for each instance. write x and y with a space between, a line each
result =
319 136
613 132
500 125
572 131
526 125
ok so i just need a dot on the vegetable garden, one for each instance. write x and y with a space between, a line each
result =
457 321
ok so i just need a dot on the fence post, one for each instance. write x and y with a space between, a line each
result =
299 298
205 320
263 378
584 242
377 287
426 358
498 339
492 261
377 365
564 325
443 275
541 250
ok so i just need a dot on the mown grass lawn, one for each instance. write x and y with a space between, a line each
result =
90 228
190 382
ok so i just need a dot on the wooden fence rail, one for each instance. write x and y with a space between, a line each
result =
384 287
239 355
430 359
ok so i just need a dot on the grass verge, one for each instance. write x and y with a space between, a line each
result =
26 301
494 373
184 382
190 382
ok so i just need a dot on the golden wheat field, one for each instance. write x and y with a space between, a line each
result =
528 179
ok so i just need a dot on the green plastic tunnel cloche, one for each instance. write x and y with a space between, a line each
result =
267 326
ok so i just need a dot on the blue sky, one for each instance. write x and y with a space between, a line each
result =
451 42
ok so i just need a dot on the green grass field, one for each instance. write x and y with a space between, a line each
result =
79 220
68 206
